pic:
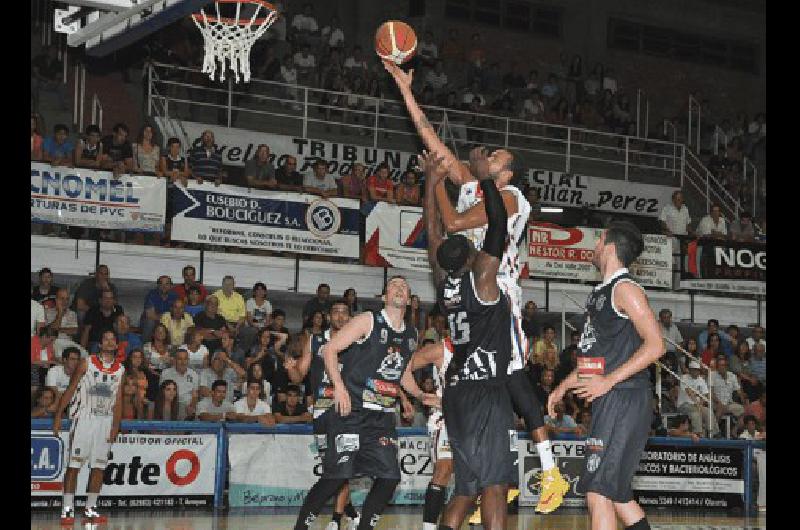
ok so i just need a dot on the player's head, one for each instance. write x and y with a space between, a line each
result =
501 166
340 314
455 254
621 242
397 293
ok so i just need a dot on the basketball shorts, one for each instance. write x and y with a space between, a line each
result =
440 442
483 441
620 427
88 441
519 341
361 444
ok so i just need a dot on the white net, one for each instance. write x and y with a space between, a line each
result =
230 40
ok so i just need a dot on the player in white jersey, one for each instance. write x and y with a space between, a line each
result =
439 355
95 404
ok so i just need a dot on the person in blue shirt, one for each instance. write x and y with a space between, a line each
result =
131 341
157 302
58 149
726 343
562 423
195 303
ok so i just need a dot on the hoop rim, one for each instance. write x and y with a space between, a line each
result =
232 21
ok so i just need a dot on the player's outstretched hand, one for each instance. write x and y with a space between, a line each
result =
341 399
479 162
554 397
432 400
403 79
593 387
434 167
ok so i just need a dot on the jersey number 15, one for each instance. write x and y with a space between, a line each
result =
459 328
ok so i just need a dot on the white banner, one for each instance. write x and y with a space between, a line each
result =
609 195
566 253
279 469
239 145
266 220
568 455
158 470
94 199
395 237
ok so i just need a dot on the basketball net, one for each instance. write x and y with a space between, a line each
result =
230 39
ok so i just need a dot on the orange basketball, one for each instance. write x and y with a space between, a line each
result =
395 41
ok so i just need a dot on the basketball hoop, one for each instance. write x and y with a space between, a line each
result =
231 38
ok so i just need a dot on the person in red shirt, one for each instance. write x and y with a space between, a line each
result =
43 356
379 186
758 408
711 351
182 290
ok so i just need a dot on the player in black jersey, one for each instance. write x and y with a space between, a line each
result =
620 339
477 407
361 433
311 365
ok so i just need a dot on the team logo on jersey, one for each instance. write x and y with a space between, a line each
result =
600 302
412 344
588 337
392 365
592 463
384 336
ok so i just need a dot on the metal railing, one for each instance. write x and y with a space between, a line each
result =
746 164
702 180
97 111
694 106
642 129
719 134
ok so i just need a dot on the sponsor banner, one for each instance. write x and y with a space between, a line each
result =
609 195
264 220
567 253
728 266
395 237
568 455
95 199
145 470
239 145
279 469
689 476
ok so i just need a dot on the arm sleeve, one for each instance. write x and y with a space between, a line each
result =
495 239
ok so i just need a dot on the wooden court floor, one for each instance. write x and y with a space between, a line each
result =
394 519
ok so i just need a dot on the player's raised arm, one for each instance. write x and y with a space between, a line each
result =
435 170
358 328
487 262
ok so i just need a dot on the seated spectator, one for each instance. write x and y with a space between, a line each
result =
36 138
427 50
758 408
692 385
89 151
277 320
215 407
195 304
712 350
89 290
584 422
46 404
609 80
670 331
128 341
58 149
43 356
256 373
352 185
743 229
45 292
137 366
750 431
167 406
567 362
320 182
252 409
146 153
100 319
159 350
221 367
550 89
187 380
562 423
118 150
758 363
675 218
712 326
304 25
289 179
544 386
321 302
757 338
546 344
258 307
58 375
315 324
233 309
408 191
713 225
529 325
177 321
193 344
532 107
182 290
205 160
669 398
333 34
268 343
682 429
211 324
379 186
436 78
259 171
355 62
133 408
38 318
306 63
292 410
472 93
724 385
288 76
158 302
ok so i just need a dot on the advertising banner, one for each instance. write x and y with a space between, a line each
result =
146 470
95 199
239 145
569 456
279 469
608 195
566 253
395 237
266 220
729 266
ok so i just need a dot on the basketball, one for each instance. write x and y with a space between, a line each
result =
395 41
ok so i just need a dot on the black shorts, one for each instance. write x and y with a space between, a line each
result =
363 443
620 427
480 423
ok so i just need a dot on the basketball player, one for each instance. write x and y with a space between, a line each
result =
361 433
310 363
620 339
477 408
471 222
439 355
95 404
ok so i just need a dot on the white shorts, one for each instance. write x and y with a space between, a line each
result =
440 442
519 342
88 441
